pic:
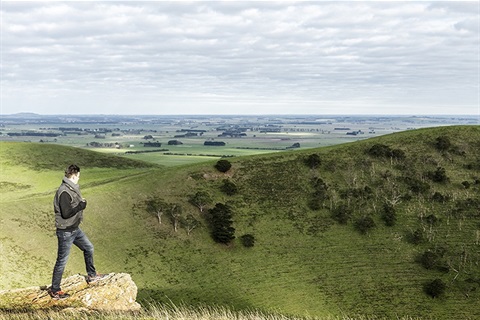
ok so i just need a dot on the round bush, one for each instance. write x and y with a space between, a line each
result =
442 143
313 161
341 214
223 165
435 288
364 224
229 188
248 240
429 259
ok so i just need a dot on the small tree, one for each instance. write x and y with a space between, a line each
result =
175 213
157 206
389 215
190 223
201 199
319 194
223 165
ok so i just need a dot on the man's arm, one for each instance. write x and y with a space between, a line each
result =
66 208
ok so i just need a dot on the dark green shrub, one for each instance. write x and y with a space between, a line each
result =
475 165
434 260
415 237
229 188
435 288
438 197
314 203
341 213
469 207
439 175
313 161
367 191
364 224
223 165
389 215
431 219
319 185
383 151
442 143
398 154
247 240
379 151
429 260
220 223
466 184
319 194
415 185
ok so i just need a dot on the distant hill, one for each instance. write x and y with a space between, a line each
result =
386 227
38 156
22 114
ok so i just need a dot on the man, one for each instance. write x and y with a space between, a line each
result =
68 205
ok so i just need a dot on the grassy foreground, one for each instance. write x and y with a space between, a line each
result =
173 312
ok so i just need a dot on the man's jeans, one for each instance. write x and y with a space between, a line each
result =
65 241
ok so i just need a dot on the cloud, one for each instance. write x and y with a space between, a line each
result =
199 57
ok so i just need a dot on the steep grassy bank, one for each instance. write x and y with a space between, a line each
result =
322 246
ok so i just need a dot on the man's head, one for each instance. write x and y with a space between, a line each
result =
73 173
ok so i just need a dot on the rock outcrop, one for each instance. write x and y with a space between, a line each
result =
116 292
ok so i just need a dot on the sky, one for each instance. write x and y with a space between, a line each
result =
240 57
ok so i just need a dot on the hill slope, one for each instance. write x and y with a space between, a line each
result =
311 214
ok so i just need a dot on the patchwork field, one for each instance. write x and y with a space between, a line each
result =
242 135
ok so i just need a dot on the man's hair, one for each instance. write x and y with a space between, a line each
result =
72 170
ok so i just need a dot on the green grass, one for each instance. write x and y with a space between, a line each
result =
303 262
181 156
171 312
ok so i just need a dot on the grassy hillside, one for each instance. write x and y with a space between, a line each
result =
375 227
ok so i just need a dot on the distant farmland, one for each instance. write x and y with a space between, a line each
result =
147 137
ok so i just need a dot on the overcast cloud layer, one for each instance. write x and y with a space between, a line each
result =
240 57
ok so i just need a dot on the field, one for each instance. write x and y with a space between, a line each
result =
306 259
243 135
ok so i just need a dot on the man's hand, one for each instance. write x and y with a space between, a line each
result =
83 204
